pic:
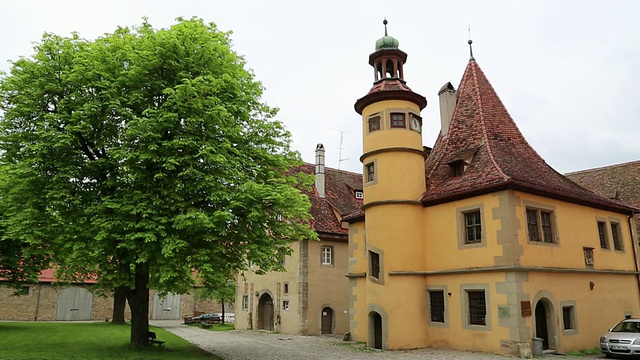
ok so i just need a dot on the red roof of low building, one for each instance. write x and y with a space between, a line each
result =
485 140
339 200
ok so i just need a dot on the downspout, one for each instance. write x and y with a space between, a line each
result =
635 254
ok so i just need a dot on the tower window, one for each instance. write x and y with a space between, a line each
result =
370 172
374 123
374 264
398 120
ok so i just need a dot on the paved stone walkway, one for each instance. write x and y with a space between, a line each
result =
259 345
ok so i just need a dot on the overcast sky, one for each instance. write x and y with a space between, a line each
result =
566 70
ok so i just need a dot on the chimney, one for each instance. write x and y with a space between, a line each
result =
447 95
320 170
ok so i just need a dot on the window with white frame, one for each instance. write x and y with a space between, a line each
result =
327 255
245 302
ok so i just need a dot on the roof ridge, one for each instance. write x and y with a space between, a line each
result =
603 167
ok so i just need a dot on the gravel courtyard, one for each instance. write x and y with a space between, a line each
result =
259 345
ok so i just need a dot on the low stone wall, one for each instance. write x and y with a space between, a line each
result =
39 302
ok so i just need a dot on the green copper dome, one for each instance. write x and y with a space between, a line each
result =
387 42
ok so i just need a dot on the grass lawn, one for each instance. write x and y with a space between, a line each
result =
59 341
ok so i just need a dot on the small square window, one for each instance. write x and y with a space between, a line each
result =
359 194
374 264
398 120
617 237
25 290
285 305
371 172
472 227
602 234
327 255
457 168
436 304
588 256
245 302
568 318
374 123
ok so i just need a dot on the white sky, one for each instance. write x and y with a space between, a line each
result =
565 70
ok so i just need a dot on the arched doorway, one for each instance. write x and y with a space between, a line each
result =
375 330
265 312
74 304
327 321
545 329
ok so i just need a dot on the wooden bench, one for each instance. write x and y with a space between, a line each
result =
206 324
153 340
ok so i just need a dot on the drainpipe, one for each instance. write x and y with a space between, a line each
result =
634 245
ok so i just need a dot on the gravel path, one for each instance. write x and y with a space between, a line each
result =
260 345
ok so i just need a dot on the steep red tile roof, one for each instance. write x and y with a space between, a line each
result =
339 200
483 135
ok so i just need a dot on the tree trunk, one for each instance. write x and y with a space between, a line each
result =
222 301
139 305
119 304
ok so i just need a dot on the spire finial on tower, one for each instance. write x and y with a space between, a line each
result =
385 22
470 47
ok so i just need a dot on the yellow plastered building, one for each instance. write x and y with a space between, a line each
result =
477 244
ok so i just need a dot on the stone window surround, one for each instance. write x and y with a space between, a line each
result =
464 303
373 162
616 222
460 219
530 205
380 253
574 317
445 292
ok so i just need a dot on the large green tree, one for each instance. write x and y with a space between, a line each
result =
145 156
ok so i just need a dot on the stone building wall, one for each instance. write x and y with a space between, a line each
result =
39 302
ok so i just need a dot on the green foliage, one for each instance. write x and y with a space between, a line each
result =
148 146
62 341
146 152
